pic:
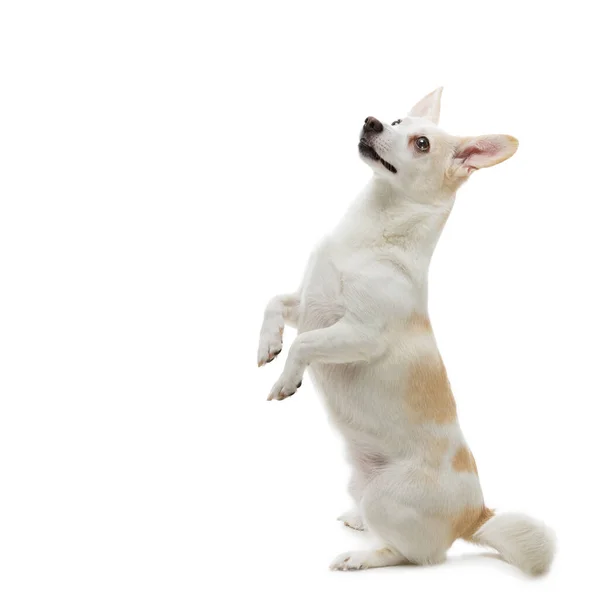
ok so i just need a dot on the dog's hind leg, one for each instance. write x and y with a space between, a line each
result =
352 518
365 466
409 534
280 310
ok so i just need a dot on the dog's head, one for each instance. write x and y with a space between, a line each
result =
414 154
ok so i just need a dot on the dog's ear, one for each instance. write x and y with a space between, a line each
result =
428 107
480 152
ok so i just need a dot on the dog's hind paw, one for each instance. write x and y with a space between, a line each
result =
367 559
353 520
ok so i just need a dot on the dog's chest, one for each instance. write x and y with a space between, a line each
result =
321 304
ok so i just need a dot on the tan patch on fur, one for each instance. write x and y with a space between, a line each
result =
419 321
428 394
436 448
463 461
467 522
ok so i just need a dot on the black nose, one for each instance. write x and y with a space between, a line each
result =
372 125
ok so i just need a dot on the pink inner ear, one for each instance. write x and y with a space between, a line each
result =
481 147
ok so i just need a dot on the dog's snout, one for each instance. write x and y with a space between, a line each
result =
372 125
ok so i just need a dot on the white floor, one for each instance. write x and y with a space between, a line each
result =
165 168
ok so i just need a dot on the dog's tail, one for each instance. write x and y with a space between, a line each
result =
520 540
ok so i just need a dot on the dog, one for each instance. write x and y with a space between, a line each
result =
364 333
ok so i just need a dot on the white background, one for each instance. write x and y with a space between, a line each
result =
165 168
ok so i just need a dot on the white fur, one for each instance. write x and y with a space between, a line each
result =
520 540
362 285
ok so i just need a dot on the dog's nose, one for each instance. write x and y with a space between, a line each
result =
373 125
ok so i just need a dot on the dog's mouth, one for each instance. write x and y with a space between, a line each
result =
368 151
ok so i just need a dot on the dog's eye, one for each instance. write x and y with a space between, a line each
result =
422 144
397 122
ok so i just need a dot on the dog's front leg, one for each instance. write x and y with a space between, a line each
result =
280 310
346 341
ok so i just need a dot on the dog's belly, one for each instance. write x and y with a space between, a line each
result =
364 400
365 404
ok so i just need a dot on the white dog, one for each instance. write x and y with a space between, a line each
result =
361 315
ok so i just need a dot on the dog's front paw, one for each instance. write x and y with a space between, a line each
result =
285 387
270 343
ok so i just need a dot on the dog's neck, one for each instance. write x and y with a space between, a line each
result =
384 216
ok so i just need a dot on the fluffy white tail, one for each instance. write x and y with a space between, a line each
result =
520 540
